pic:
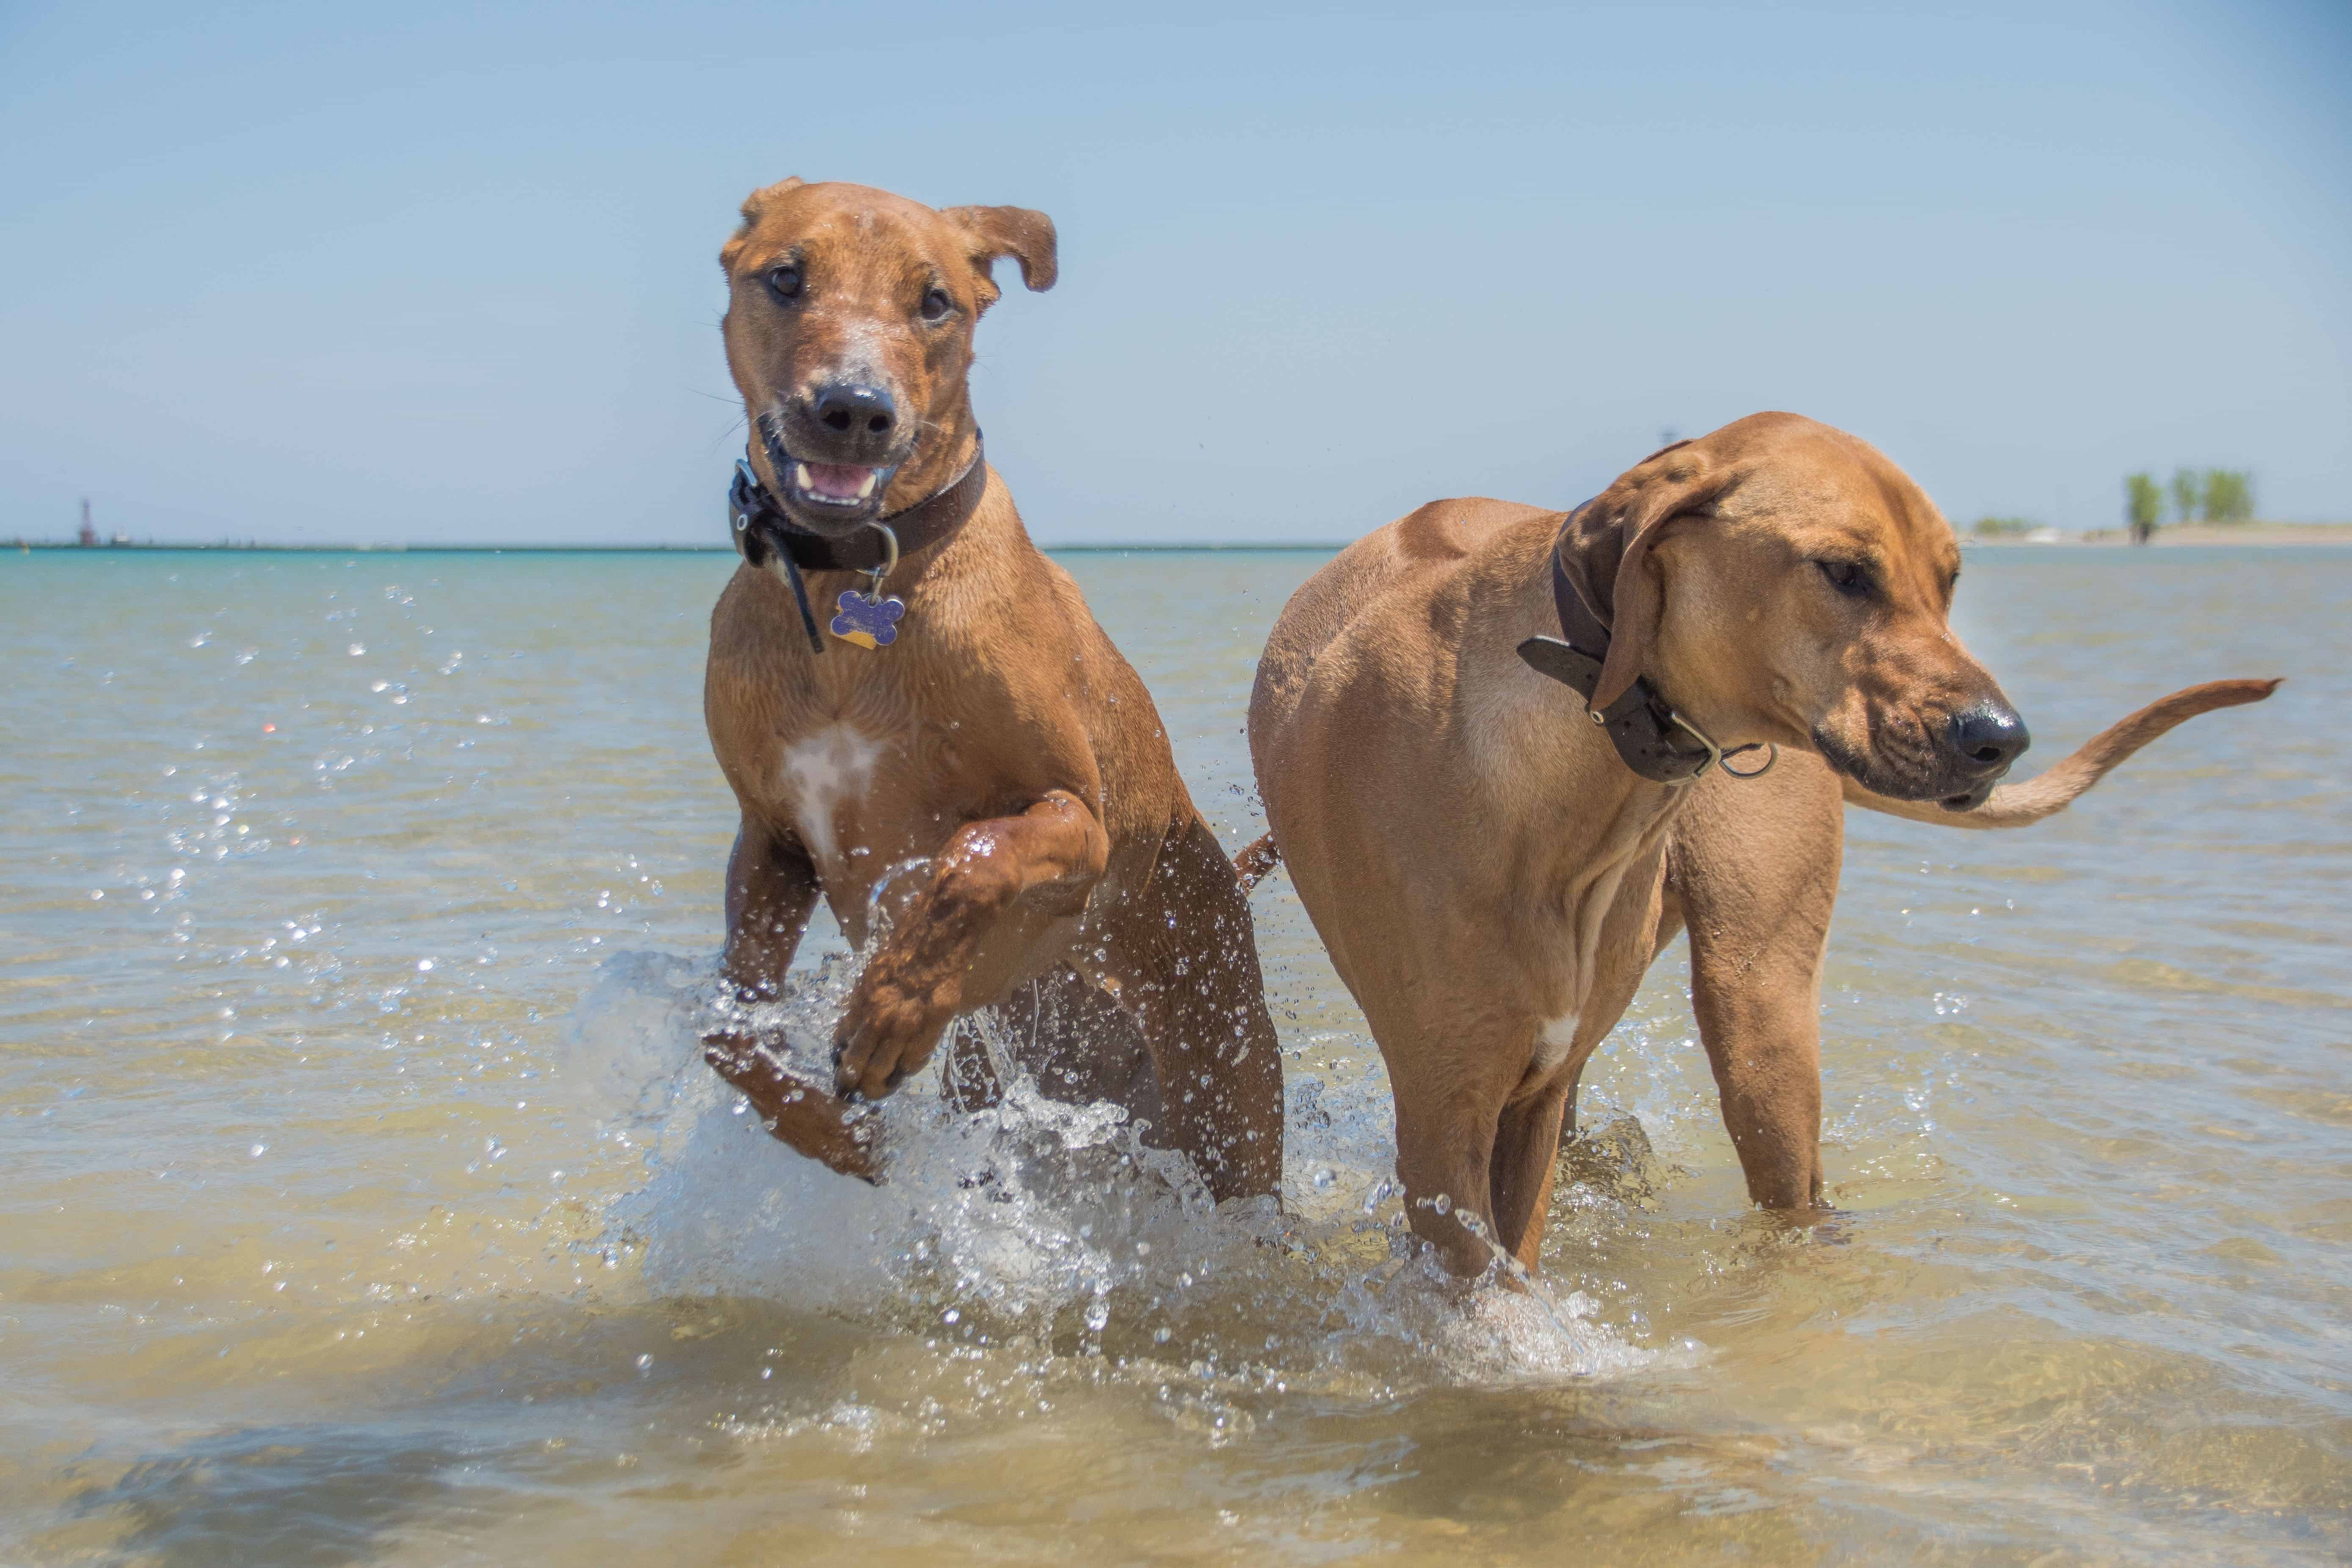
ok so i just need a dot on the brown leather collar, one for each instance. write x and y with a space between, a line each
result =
1651 738
760 525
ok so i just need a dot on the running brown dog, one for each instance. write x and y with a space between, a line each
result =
1491 873
963 766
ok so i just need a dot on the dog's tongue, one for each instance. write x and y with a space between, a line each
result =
846 480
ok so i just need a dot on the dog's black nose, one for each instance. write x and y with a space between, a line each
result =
854 408
1988 736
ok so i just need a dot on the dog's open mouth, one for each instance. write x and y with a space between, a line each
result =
834 484
822 494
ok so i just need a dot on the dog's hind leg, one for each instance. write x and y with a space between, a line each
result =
1077 1044
1754 867
1184 958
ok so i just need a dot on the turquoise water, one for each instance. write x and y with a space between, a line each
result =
367 1202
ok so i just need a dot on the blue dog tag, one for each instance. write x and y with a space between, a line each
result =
868 623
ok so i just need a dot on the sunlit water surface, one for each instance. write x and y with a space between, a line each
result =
366 1201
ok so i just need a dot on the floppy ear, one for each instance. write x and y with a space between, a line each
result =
753 206
1017 232
1606 546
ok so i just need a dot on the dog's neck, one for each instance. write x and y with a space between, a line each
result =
761 526
769 540
1580 820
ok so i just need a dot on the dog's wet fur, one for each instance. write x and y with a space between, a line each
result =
995 786
1493 882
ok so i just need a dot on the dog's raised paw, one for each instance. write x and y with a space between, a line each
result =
812 1119
887 1036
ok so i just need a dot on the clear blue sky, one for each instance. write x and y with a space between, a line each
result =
426 273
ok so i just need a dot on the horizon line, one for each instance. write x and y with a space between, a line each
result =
1162 547
27 545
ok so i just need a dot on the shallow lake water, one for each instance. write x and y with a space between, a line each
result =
366 1200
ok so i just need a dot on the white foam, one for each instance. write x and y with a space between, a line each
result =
1043 1219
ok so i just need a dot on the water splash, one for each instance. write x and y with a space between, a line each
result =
1042 1224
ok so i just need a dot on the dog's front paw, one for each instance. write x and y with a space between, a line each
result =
887 1033
809 1117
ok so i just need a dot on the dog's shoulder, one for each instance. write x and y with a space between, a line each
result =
1455 529
1405 567
745 621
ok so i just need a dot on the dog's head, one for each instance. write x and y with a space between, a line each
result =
1781 581
849 321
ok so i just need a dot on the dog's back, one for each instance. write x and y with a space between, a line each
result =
1405 558
1334 620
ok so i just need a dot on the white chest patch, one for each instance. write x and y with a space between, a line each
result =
823 773
1553 1040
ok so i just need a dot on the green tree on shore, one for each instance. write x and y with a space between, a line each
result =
2229 495
2004 527
2144 503
2188 494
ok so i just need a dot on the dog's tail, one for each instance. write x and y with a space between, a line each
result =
1255 861
2051 792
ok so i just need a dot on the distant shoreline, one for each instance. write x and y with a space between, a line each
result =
68 547
2257 535
2260 533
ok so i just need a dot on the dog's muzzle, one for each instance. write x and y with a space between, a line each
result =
827 497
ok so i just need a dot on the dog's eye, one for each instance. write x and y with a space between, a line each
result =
1851 578
936 305
784 281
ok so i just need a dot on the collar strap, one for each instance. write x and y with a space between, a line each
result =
1651 738
761 527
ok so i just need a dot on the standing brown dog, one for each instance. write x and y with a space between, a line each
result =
1494 866
964 754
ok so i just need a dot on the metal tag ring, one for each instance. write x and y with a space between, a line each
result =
889 561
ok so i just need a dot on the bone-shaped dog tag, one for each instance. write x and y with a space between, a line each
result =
868 623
